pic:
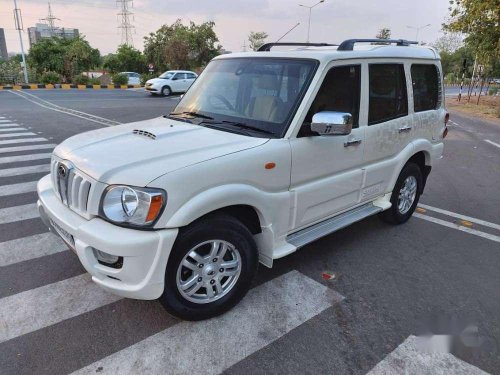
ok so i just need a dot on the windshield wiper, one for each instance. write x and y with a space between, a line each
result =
192 114
242 126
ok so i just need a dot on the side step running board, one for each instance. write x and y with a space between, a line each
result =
324 228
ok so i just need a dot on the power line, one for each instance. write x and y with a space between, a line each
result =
125 24
50 20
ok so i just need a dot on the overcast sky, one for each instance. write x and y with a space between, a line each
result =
332 21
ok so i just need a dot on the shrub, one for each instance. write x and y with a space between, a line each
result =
493 91
80 79
94 81
51 78
145 77
120 79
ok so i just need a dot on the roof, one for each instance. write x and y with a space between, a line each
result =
329 53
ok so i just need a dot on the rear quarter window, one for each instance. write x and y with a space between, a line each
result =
426 87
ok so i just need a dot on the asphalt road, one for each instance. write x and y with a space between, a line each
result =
438 273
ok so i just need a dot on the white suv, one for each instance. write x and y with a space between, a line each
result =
267 152
172 81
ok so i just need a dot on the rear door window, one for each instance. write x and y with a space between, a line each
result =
388 96
425 82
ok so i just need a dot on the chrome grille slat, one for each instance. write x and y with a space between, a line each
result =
73 188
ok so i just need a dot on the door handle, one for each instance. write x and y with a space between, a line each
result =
404 129
352 142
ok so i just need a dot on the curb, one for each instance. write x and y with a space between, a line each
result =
65 86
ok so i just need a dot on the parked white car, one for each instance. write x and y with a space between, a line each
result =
172 81
133 78
267 152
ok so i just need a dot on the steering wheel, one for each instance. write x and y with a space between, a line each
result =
223 100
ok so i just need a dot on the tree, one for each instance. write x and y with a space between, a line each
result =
178 46
384 33
257 39
67 57
449 42
126 58
479 20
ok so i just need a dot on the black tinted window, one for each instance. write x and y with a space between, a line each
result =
425 83
340 92
388 97
191 76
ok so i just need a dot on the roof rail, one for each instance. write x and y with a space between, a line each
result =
348 45
267 47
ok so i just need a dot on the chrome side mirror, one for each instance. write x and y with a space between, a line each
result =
332 123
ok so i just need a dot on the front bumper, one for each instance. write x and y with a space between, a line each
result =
152 88
145 253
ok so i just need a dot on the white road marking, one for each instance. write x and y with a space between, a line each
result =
411 358
30 157
50 304
4 120
72 112
5 130
7 125
30 247
24 187
26 148
24 170
461 217
23 140
16 134
267 313
18 213
492 143
458 227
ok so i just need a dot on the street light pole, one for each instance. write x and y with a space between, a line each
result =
19 27
310 7
418 28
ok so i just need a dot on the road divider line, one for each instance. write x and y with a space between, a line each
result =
23 140
10 135
24 187
10 172
417 355
72 112
30 157
31 247
458 227
19 129
18 213
461 217
4 150
492 143
50 304
247 328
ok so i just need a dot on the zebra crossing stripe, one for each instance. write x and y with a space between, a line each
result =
18 213
41 307
26 148
13 159
4 120
411 357
7 125
22 140
28 248
10 172
23 187
16 134
5 130
267 313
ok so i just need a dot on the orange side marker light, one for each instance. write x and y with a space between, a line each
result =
270 165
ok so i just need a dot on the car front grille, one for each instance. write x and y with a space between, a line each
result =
72 187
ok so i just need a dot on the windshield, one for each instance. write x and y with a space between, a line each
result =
258 93
167 75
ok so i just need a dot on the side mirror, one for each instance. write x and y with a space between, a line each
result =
332 123
174 79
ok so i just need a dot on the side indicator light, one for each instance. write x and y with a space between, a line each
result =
154 208
270 165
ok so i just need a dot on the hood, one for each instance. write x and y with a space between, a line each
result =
156 80
116 155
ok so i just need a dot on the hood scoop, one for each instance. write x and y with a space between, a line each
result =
144 133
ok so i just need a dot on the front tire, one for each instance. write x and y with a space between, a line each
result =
211 268
405 195
166 91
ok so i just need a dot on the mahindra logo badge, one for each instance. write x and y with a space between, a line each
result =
62 171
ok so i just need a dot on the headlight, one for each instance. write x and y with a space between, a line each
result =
127 205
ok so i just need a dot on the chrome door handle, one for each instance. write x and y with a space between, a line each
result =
352 142
404 129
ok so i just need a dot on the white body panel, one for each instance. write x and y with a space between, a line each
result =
203 170
178 83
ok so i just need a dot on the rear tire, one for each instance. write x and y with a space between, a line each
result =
166 91
187 288
405 195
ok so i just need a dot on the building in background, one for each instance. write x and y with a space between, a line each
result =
3 46
42 31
